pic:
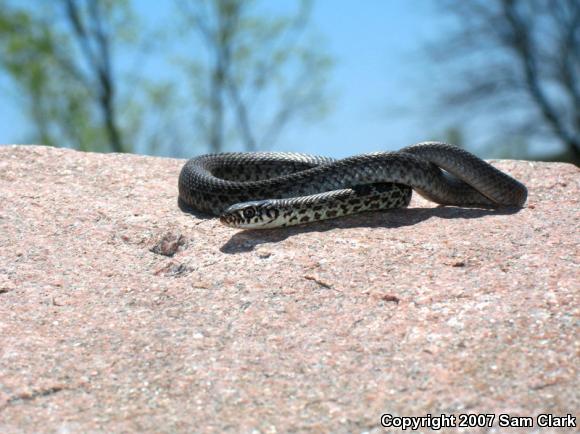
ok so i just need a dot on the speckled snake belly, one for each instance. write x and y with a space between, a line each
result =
267 189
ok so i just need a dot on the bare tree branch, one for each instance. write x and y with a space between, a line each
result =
248 57
523 47
99 63
542 36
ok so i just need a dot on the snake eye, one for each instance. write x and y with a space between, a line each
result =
249 213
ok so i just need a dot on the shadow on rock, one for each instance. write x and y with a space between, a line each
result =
247 240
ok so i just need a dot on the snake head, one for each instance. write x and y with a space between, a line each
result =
251 215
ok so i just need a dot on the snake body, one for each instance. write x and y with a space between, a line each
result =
273 189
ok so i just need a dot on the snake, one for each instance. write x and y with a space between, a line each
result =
260 190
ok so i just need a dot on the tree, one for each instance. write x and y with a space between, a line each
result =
259 73
519 59
60 56
93 37
248 72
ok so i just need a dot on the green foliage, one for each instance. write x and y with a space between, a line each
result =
58 74
39 58
454 135
255 72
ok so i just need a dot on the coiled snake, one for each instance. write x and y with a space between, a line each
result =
273 189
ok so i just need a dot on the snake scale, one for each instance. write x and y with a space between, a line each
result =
276 189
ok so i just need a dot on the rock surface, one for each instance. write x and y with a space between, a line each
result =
120 313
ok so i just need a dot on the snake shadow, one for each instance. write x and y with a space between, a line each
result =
247 240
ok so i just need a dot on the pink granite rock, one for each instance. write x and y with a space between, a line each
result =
120 313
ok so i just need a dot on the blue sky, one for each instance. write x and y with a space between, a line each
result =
376 45
378 83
